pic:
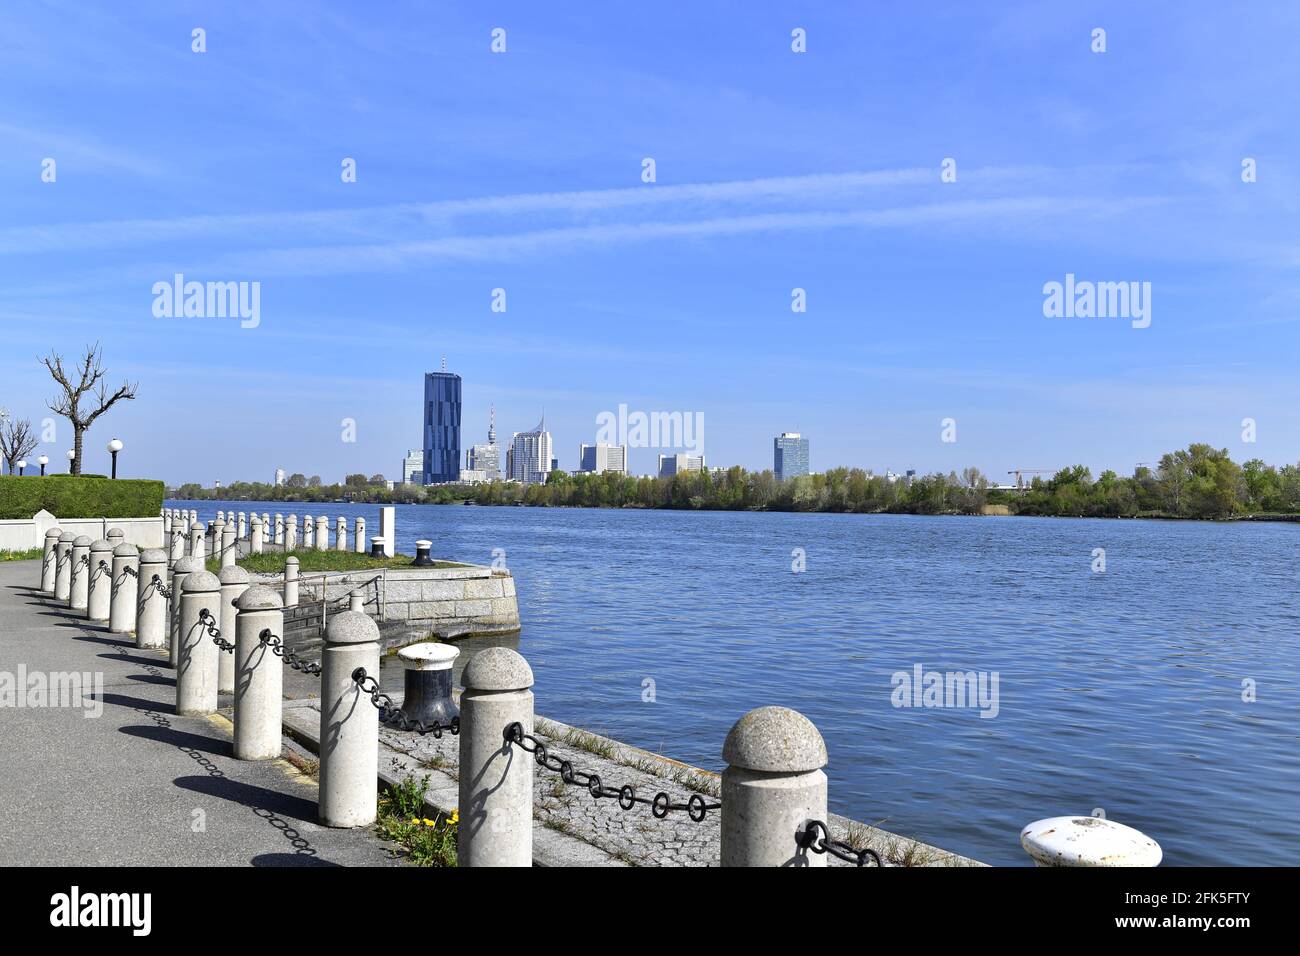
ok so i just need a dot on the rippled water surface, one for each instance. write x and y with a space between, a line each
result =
1120 691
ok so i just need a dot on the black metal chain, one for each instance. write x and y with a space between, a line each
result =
661 804
208 621
162 589
391 716
816 836
289 657
131 571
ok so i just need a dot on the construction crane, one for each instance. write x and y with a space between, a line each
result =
1028 471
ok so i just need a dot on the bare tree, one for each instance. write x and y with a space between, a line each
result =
16 440
90 381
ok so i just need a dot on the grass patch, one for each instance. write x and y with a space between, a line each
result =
28 555
425 841
312 561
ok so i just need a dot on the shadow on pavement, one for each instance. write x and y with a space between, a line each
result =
297 809
139 703
181 738
289 859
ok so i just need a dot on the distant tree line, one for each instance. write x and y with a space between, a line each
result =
1199 482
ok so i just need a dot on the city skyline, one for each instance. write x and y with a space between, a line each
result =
499 214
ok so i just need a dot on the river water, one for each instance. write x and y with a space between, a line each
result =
1120 692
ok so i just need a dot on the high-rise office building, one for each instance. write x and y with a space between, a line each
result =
679 463
530 455
602 457
486 458
413 467
789 455
279 477
441 427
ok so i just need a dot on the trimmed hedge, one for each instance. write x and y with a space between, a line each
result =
79 496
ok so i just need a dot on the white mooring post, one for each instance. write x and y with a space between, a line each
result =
49 561
308 533
177 543
79 586
229 546
291 533
99 594
322 533
63 567
196 667
388 529
496 777
181 570
255 535
772 787
151 608
259 675
341 534
279 529
243 526
359 532
234 582
349 723
126 574
218 531
197 532
1088 841
291 582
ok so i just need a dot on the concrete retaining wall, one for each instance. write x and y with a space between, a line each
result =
24 534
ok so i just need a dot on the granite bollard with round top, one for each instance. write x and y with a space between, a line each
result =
126 574
181 570
218 528
99 582
291 581
63 566
49 561
255 535
229 549
359 532
1088 841
259 675
291 533
177 543
116 536
772 787
243 525
341 534
349 723
278 537
197 664
308 532
234 582
152 609
496 777
197 532
427 683
322 541
79 585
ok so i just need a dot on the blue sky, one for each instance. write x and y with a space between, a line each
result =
775 170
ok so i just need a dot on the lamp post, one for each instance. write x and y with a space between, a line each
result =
43 461
72 454
113 448
22 466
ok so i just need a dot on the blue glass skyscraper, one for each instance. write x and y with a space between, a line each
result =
789 455
441 427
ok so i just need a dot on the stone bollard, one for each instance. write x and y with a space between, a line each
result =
1088 841
772 787
229 549
266 528
359 531
167 524
126 573
322 533
63 566
357 602
428 682
99 584
50 561
197 532
291 582
291 533
180 571
116 536
184 527
341 534
349 723
196 666
177 544
243 526
259 675
234 582
279 529
194 516
308 533
79 585
152 617
496 777
221 516
255 536
218 530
